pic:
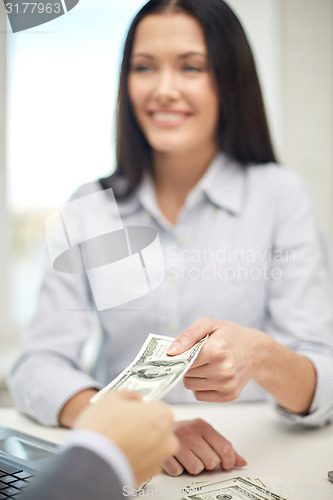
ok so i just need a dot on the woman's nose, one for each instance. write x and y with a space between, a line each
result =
167 87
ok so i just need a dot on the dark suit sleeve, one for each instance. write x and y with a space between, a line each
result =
76 474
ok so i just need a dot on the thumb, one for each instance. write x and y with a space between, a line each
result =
190 336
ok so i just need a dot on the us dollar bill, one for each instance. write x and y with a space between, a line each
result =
237 488
153 372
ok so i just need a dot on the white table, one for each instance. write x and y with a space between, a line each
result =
293 461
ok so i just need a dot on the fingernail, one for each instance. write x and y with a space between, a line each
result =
243 462
173 348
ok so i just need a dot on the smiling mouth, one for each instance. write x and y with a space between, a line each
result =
168 118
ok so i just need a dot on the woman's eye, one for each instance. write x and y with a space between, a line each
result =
142 68
192 69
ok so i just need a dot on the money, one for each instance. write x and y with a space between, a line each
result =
153 372
237 488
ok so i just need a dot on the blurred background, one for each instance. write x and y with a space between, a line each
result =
57 100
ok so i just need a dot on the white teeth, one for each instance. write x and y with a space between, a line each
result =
168 117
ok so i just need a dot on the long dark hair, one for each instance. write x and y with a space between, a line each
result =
242 129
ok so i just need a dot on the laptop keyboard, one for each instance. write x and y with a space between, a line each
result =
12 480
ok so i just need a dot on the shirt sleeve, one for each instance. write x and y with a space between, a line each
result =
299 299
105 449
49 370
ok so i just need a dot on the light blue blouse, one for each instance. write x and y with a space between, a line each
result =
246 248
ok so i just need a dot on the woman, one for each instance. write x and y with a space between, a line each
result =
195 162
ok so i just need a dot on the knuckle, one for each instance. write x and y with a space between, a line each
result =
227 448
184 431
229 366
198 423
188 431
215 353
217 349
205 322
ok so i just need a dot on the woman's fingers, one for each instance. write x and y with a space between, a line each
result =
172 467
223 448
201 447
191 335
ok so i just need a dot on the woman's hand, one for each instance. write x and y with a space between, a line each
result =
201 447
230 357
234 354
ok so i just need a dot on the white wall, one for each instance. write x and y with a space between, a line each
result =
293 45
308 97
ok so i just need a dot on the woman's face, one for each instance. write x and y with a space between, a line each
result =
171 86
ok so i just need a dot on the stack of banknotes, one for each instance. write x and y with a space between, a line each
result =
236 488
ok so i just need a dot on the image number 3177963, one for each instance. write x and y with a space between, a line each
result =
25 15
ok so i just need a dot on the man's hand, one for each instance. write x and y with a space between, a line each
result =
143 431
202 447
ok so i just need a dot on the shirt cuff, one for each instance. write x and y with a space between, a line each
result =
321 409
318 418
105 449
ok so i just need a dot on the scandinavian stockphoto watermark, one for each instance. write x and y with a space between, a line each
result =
195 492
25 15
227 263
121 263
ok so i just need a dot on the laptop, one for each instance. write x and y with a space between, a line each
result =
21 458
